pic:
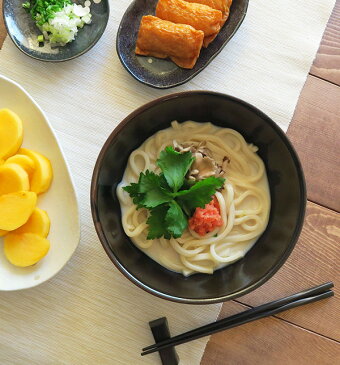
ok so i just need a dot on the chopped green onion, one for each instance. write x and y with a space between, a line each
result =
42 10
58 20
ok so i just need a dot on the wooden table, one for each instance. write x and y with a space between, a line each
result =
310 334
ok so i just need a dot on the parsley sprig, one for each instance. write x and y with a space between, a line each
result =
169 197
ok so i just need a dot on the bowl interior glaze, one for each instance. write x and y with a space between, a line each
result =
287 189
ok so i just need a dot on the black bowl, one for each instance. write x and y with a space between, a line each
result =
287 189
23 32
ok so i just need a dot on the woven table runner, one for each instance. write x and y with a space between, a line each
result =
89 313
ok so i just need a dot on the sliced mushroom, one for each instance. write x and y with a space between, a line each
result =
184 147
204 165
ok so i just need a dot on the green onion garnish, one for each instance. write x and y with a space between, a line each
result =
42 10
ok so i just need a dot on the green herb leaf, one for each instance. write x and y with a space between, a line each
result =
187 184
149 192
167 220
154 192
199 194
160 194
176 220
174 166
136 196
157 224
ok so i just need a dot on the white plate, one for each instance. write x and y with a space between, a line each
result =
60 201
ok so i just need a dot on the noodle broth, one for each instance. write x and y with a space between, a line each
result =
244 200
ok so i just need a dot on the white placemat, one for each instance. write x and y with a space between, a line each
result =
89 313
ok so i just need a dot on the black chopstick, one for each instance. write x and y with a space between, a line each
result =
268 309
276 303
267 306
250 318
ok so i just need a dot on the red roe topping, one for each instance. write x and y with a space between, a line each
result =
206 219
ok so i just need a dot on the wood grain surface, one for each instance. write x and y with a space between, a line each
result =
327 61
315 133
301 335
305 335
269 341
313 261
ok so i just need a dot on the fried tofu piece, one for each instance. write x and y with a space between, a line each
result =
201 17
161 38
222 5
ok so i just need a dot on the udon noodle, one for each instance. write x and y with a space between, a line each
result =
244 200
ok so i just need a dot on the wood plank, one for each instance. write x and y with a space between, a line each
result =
2 27
314 260
327 62
315 134
268 341
274 340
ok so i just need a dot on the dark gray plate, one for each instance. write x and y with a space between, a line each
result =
23 32
160 73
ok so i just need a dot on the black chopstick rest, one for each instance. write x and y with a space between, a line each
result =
161 332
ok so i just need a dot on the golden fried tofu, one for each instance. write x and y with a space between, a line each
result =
201 17
161 38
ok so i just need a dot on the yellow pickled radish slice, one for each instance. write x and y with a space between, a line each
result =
16 208
42 174
13 178
11 133
38 223
25 249
24 161
3 233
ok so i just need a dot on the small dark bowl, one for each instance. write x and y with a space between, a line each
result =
163 73
287 189
23 32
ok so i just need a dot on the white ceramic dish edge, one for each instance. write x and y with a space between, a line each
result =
65 228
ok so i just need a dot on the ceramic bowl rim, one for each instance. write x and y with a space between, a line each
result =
63 59
178 299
